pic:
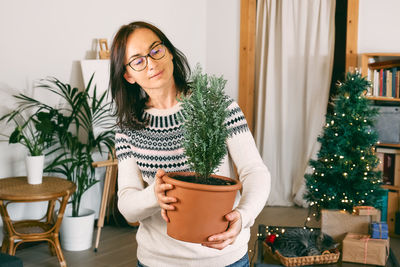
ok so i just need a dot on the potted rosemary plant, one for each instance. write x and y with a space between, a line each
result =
203 198
76 141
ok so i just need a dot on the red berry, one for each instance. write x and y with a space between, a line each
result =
270 239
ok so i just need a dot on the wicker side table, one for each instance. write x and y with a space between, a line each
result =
52 189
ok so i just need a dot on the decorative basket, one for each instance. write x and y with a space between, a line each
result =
325 258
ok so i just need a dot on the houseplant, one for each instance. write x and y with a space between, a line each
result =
76 140
35 132
203 199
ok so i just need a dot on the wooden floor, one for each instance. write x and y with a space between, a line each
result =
117 248
118 245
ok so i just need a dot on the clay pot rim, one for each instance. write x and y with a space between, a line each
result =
205 187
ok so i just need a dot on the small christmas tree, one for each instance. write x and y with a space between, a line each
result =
205 132
344 175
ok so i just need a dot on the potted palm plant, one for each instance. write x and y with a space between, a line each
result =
35 132
203 198
76 139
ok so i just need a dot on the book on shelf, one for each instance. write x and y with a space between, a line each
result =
385 78
393 81
388 83
381 77
389 165
376 83
383 81
384 205
397 83
388 168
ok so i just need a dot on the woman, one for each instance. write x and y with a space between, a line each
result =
147 75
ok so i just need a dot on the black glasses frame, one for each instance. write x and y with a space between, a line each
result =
145 57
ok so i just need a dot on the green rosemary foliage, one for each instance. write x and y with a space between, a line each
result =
205 132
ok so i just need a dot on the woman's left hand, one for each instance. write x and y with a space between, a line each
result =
222 240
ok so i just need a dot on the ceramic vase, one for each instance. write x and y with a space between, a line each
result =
34 169
76 233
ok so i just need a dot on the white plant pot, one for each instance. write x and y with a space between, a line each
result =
34 169
76 233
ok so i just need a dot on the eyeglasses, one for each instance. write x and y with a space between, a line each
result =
140 63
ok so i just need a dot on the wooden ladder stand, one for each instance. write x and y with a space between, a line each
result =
109 187
110 182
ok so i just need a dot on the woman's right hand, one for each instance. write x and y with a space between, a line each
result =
160 189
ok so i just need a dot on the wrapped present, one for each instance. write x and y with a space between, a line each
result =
379 230
365 210
363 249
337 223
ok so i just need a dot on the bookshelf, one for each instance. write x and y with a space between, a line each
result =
381 98
390 145
390 167
379 57
391 187
383 71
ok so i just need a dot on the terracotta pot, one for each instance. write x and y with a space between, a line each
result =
200 209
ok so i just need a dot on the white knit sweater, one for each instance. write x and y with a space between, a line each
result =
159 146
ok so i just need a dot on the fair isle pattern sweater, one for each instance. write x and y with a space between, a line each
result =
159 146
142 152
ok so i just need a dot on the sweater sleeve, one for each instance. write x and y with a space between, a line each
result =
135 201
253 173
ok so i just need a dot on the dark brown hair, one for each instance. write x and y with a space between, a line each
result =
130 99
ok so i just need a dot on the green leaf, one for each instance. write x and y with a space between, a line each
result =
66 133
15 136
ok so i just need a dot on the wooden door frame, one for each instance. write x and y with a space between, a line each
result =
247 59
352 35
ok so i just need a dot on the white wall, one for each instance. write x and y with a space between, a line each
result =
378 29
49 38
223 34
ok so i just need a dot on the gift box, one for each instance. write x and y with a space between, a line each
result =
379 230
337 223
363 249
365 210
